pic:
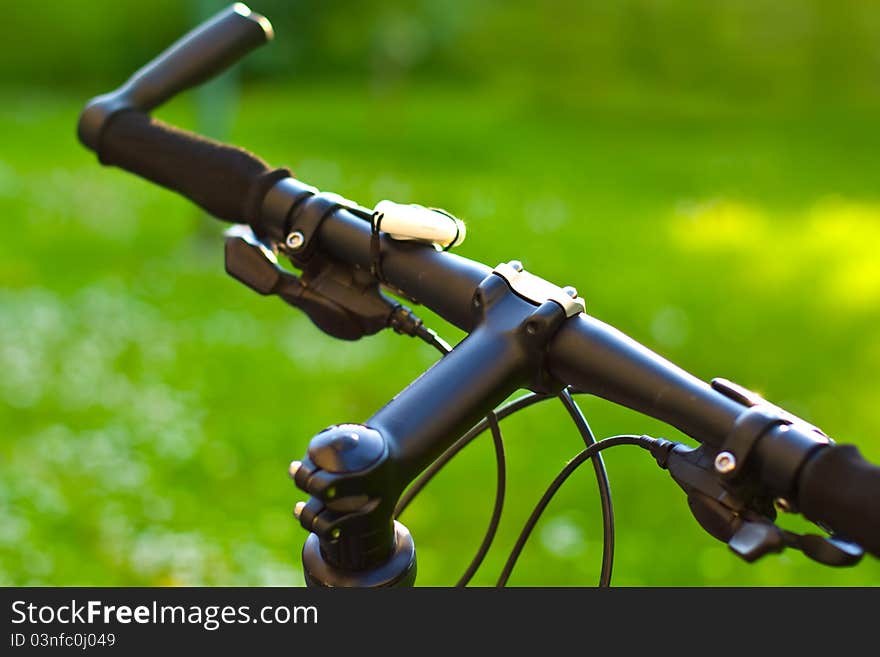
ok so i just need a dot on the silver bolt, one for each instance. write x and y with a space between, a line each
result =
725 462
293 468
298 509
570 291
295 240
516 264
784 505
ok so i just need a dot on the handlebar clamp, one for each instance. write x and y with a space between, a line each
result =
765 439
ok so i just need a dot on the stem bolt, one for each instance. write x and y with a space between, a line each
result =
725 462
295 240
570 291
516 265
784 505
293 468
298 509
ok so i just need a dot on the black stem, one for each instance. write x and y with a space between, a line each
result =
429 473
491 421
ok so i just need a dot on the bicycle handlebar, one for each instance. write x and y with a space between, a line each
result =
226 181
832 485
841 489
194 58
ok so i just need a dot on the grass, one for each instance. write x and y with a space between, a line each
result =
150 404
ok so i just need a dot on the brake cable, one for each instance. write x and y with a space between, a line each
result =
491 422
646 442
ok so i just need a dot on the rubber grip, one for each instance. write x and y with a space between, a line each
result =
840 489
194 58
197 56
228 182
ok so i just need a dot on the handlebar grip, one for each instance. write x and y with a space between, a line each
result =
840 489
226 181
194 58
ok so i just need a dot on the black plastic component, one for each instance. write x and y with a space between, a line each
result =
738 512
398 570
342 302
781 453
755 539
346 448
719 505
838 488
718 520
306 218
749 427
404 322
248 264
736 392
194 58
278 203
831 551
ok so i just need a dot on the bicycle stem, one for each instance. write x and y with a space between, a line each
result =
461 388
501 355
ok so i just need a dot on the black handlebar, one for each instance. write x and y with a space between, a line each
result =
841 489
226 181
833 484
194 58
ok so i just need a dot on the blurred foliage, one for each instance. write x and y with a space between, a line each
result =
703 172
812 50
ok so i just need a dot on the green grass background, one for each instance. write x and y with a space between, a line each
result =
149 404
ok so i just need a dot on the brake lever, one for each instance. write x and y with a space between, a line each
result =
829 550
333 298
737 514
252 262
